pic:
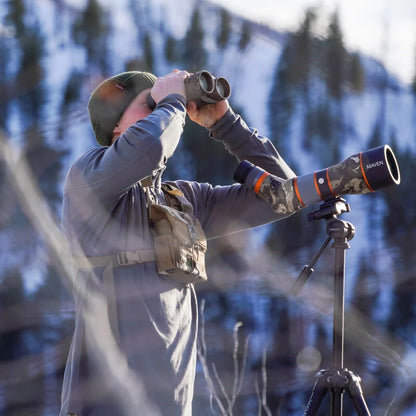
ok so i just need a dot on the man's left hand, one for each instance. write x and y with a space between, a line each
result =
208 114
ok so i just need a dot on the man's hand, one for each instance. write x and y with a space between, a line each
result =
171 83
207 115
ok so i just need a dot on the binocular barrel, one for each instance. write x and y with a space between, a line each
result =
361 173
203 88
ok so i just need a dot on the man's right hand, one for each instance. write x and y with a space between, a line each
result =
172 83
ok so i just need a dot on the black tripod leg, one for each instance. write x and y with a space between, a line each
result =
307 270
318 393
336 402
356 393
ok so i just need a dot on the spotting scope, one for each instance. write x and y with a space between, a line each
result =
360 173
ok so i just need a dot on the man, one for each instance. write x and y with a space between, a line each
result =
105 212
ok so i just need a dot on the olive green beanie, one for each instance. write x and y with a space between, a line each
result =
111 98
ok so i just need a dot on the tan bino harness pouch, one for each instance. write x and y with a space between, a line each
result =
179 241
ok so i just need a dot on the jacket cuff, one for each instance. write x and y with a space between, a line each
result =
223 125
173 97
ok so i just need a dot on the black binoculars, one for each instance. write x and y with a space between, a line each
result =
203 88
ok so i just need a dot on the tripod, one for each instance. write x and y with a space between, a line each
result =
337 379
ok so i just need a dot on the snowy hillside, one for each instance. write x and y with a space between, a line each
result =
249 73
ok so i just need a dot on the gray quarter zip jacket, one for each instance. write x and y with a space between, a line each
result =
104 213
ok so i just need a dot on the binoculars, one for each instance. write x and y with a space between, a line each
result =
203 88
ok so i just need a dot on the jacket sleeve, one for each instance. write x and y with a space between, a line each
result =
227 209
246 144
143 148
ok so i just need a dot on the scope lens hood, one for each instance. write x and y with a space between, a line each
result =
380 167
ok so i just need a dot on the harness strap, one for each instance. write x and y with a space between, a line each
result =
176 199
124 258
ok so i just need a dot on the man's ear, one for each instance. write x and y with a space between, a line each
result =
116 133
116 130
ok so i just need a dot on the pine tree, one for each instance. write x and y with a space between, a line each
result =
12 339
292 81
245 36
413 84
147 61
15 16
193 53
376 136
335 58
29 79
303 51
356 75
303 60
171 49
70 97
224 34
281 102
91 30
4 82
45 162
148 58
10 49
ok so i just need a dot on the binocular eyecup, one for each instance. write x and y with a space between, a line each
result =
202 88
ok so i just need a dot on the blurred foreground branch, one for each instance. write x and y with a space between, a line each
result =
226 401
128 387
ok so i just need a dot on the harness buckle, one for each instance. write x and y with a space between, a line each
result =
127 257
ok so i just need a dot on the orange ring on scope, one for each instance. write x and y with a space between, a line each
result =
260 181
329 183
363 173
295 185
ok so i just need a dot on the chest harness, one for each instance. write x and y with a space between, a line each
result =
179 242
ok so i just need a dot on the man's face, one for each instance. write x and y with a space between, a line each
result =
137 110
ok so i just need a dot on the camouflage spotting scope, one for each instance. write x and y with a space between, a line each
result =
203 88
358 174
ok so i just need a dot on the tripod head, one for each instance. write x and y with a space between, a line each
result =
337 229
340 231
329 209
